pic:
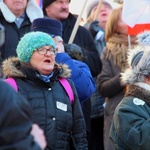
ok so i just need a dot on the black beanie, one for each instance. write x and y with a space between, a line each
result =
47 25
45 3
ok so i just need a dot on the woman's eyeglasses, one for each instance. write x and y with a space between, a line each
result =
43 51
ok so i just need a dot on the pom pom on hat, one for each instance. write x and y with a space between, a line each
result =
47 25
139 65
144 38
32 41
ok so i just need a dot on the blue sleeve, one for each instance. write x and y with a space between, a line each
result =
80 75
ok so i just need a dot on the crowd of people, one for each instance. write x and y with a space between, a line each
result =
92 94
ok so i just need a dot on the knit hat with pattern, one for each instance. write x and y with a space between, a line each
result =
32 41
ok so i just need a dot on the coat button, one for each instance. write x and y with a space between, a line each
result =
49 89
54 118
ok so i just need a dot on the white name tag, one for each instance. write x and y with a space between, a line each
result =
137 101
61 106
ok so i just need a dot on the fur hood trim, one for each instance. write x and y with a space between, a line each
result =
33 11
137 73
140 91
11 68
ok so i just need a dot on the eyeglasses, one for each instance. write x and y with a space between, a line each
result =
43 51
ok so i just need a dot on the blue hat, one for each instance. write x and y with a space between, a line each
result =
32 41
47 25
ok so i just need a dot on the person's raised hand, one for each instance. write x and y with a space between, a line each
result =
39 136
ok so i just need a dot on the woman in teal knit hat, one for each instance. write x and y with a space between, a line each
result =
37 77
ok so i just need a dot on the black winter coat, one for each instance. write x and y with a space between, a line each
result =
12 36
15 121
51 107
84 39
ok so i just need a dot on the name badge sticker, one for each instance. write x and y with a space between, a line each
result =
137 101
61 106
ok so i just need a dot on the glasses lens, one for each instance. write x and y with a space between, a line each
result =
43 51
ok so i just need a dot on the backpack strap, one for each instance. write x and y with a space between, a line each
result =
12 83
64 82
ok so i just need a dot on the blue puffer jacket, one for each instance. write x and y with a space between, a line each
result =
80 75
51 107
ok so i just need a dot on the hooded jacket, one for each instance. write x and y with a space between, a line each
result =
131 124
12 32
51 107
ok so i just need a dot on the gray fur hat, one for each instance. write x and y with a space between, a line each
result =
139 65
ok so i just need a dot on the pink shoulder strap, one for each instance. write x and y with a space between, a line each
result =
12 82
64 82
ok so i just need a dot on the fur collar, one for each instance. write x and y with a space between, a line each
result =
12 68
33 11
141 91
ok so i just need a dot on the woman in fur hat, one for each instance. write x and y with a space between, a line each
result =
131 122
113 59
38 79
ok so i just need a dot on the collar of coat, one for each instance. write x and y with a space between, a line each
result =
33 11
12 67
139 90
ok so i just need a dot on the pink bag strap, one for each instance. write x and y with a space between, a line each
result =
64 82
12 82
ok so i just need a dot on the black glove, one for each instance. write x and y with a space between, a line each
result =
74 51
94 28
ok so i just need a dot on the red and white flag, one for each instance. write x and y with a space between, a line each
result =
136 14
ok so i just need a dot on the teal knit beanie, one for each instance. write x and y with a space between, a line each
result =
32 41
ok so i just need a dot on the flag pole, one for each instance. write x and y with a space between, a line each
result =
77 24
98 9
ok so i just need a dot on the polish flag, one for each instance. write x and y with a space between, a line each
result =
136 14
